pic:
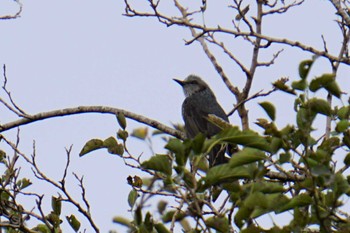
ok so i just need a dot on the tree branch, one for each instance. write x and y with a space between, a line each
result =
92 109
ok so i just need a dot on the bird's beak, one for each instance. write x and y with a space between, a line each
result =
179 81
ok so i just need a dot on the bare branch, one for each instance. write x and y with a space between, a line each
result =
341 11
256 95
185 23
272 61
229 53
92 109
16 15
15 109
283 9
206 50
285 176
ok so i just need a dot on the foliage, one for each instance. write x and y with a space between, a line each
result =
277 171
311 187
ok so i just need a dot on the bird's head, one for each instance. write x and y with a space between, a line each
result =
193 84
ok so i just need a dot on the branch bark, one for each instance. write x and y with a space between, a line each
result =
92 109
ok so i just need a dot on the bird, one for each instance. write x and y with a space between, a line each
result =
199 102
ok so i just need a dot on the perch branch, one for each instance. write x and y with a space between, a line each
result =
92 109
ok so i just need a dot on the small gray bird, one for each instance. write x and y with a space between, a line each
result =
200 101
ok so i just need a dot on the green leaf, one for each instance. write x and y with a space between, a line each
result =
246 156
344 113
148 223
138 216
328 82
159 163
340 185
42 228
342 126
91 145
222 173
321 81
320 106
269 109
54 219
304 68
346 138
284 158
297 201
242 215
2 156
122 134
256 199
56 204
132 197
23 183
305 117
73 222
218 223
162 206
246 138
198 142
121 120
347 159
268 187
140 133
160 228
281 85
110 142
334 89
299 85
178 148
113 146
123 221
168 216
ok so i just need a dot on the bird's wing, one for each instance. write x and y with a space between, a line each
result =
194 117
195 114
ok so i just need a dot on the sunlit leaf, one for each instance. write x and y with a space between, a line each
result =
140 133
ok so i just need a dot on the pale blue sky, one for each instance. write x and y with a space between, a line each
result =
68 53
